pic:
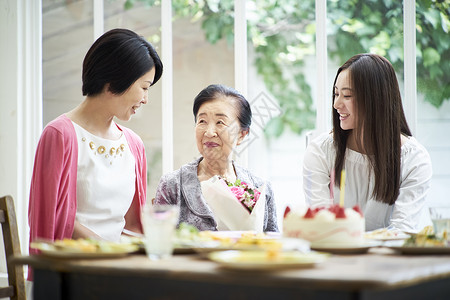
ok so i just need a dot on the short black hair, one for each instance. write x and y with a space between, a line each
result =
214 91
118 58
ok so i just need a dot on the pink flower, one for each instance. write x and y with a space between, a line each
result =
237 191
244 193
256 194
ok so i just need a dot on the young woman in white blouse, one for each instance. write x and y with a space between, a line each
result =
90 173
388 172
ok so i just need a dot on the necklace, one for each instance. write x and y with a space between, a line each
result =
101 150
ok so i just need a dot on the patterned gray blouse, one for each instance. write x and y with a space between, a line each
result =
182 187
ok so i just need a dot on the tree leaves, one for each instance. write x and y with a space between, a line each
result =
430 57
283 35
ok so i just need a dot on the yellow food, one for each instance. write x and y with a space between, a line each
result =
273 254
427 238
427 230
91 246
246 240
79 245
381 233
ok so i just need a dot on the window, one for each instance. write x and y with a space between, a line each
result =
351 27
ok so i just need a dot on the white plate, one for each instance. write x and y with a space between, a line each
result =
287 244
345 249
212 242
230 234
398 237
385 235
68 254
48 249
260 260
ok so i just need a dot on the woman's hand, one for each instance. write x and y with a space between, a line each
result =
82 232
132 220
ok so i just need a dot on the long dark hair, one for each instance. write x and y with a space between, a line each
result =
380 122
118 58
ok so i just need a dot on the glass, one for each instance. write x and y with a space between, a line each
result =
159 230
440 215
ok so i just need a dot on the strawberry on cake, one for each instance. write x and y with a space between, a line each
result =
322 226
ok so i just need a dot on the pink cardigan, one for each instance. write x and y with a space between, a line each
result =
53 198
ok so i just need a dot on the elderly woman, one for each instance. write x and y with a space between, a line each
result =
388 172
223 117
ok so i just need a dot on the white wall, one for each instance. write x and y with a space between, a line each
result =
433 131
8 104
20 103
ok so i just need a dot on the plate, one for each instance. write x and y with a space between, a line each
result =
345 249
208 247
284 244
69 254
400 236
386 235
262 260
230 234
195 247
421 250
210 241
48 249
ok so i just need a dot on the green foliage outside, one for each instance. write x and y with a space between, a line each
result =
282 33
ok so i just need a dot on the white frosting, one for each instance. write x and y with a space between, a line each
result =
325 229
325 215
351 214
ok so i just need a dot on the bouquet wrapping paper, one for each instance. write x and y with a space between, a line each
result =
229 213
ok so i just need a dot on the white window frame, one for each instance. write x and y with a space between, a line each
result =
20 102
241 67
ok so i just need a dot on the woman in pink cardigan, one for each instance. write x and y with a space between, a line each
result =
90 174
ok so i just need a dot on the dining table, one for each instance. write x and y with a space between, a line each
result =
380 273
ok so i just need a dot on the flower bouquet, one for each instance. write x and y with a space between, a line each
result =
246 195
235 205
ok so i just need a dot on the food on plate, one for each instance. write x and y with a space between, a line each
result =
85 246
427 230
262 260
426 238
245 240
79 245
273 254
385 234
186 234
321 226
189 236
259 240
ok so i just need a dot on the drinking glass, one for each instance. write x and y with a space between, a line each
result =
440 216
159 229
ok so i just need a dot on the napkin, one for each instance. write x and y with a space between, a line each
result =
229 213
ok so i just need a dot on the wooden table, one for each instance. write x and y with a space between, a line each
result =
380 274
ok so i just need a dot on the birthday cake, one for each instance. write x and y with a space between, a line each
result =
325 226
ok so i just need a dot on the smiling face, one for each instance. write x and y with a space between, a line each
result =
126 104
217 129
344 102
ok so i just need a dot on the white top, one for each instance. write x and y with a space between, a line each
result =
105 183
410 211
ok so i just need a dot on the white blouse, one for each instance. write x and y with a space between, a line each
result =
410 211
105 183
